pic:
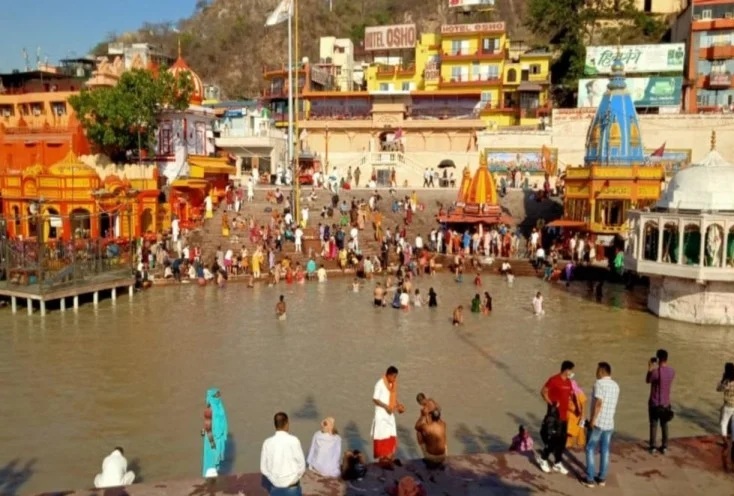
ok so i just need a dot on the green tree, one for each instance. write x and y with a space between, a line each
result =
571 25
122 118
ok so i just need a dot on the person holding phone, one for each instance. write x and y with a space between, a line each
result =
660 377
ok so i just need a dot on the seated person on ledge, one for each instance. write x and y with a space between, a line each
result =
114 471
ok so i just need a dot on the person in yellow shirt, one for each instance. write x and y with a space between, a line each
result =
257 260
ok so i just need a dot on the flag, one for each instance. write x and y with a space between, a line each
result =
659 152
282 13
398 134
547 162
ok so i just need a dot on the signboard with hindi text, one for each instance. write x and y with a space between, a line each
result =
395 37
656 91
637 59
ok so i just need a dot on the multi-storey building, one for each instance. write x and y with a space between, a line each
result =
427 94
707 28
336 58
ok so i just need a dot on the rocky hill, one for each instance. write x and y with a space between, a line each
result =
226 41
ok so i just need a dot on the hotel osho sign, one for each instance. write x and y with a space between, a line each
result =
395 37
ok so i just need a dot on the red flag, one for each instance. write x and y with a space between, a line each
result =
398 134
659 152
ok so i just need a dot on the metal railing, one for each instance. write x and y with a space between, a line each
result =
46 266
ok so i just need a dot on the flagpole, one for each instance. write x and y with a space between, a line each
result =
296 133
289 153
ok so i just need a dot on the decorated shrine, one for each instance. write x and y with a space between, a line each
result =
477 201
616 176
69 200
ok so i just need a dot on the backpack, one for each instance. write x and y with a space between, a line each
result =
551 426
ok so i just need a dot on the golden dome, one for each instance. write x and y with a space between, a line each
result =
33 170
72 166
482 188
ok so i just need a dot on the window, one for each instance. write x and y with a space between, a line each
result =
534 68
476 71
490 45
37 109
6 111
456 73
165 142
511 75
406 86
493 72
384 87
58 108
459 47
718 67
486 99
529 100
706 14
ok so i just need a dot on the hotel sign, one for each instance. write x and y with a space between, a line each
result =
471 3
395 37
479 27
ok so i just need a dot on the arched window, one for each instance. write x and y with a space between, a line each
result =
511 75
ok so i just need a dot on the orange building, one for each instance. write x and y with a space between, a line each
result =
37 124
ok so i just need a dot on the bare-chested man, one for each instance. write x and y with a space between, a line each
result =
427 404
458 318
280 308
431 435
379 295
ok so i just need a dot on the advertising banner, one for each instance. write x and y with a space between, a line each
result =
471 3
395 37
637 59
654 91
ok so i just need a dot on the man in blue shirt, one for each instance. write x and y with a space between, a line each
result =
311 268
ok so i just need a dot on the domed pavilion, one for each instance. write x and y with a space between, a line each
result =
617 176
685 244
477 201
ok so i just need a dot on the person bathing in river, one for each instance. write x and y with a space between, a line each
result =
280 308
379 295
487 304
476 304
432 298
458 318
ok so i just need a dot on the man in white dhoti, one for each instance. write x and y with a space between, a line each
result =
175 229
384 426
114 471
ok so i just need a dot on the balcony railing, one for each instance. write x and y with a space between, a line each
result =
339 116
717 52
281 69
473 54
279 92
471 80
283 116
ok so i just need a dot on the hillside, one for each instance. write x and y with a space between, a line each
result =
226 41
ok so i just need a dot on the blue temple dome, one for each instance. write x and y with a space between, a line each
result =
614 135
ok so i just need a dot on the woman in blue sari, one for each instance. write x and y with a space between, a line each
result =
214 434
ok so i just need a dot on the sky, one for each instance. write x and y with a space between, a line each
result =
70 28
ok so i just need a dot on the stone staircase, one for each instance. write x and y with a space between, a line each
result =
209 236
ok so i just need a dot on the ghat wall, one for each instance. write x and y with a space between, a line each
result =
687 301
569 126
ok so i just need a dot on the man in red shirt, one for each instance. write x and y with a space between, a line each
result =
557 392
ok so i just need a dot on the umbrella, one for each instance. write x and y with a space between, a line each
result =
447 164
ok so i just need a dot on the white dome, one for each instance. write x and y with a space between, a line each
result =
704 186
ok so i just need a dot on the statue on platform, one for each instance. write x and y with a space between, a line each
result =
714 236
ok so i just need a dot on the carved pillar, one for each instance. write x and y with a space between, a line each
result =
702 248
661 229
681 237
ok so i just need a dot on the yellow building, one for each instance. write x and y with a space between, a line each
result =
470 60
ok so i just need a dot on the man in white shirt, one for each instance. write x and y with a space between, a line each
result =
384 427
354 233
538 304
298 235
250 190
114 471
282 463
418 242
321 274
604 400
288 219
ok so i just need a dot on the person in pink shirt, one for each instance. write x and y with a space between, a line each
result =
523 442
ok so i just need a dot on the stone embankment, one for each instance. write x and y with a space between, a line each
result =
520 205
692 466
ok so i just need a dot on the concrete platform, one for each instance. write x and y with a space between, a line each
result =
692 466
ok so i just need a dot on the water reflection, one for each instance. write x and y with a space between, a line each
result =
133 374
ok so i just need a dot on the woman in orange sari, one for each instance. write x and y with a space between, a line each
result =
576 414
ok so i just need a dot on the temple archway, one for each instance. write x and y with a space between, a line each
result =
81 222
146 221
714 245
691 245
650 246
671 252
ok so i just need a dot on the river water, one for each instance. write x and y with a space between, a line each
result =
74 385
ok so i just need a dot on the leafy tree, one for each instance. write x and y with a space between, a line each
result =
119 119
571 25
